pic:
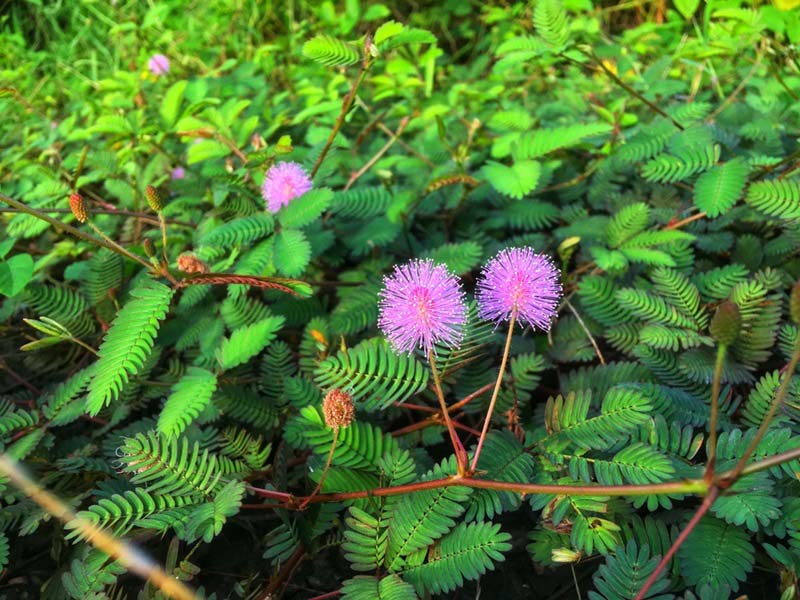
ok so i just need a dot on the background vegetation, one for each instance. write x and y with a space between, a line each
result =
649 147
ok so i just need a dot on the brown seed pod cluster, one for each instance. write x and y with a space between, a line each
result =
189 263
338 409
78 206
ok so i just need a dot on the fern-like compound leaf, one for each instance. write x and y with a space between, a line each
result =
128 343
373 374
330 51
464 554
189 397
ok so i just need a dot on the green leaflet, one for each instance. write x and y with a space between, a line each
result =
128 343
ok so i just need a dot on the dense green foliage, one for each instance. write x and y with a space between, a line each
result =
650 148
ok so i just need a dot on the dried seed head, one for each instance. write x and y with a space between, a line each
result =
794 303
189 263
153 198
725 323
78 206
338 409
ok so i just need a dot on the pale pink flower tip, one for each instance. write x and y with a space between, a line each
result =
158 64
519 281
284 182
178 173
421 304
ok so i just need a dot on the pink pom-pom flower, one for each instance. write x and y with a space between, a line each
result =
158 64
520 282
421 304
284 182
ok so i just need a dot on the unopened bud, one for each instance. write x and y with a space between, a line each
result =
149 248
794 303
189 263
153 198
338 409
565 555
725 323
78 206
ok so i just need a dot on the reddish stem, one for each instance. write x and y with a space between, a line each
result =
704 507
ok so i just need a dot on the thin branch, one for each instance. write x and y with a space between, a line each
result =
711 448
704 507
131 558
653 106
458 447
496 392
587 332
369 164
346 104
76 232
773 408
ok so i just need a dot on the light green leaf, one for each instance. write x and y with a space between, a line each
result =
516 181
172 102
206 149
305 209
15 273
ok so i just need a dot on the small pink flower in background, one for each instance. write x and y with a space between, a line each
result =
284 182
421 304
178 173
158 64
519 281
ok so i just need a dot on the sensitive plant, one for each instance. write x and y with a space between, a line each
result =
195 372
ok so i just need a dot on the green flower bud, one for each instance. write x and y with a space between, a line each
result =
794 303
725 323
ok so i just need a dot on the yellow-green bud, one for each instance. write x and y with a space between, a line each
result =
153 198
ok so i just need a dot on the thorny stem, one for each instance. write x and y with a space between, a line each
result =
711 448
488 421
105 243
324 470
704 507
346 104
458 448
773 408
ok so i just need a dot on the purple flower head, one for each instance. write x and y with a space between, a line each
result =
158 64
284 182
519 281
178 173
421 304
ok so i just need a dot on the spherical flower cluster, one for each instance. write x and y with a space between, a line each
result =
338 409
421 304
520 282
178 173
158 65
284 182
